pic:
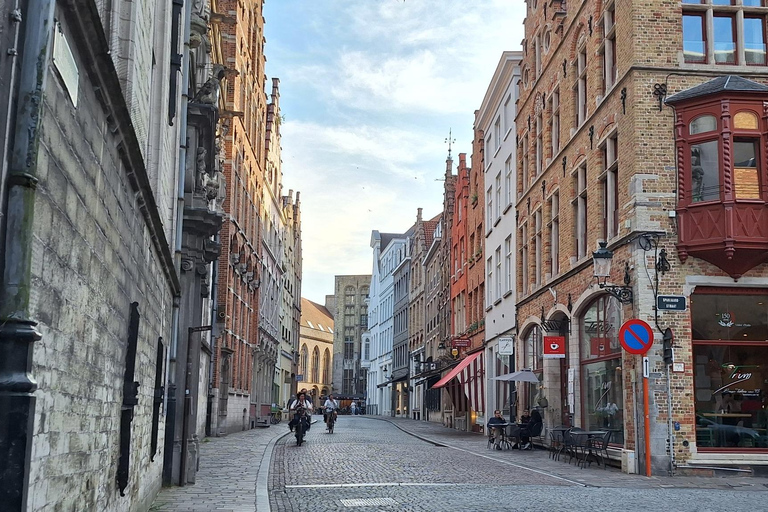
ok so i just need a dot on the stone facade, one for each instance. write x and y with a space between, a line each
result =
316 350
351 308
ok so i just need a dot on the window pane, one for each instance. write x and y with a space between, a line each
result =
753 3
730 396
745 172
723 2
754 40
694 47
600 328
702 124
725 42
705 172
729 317
745 121
604 398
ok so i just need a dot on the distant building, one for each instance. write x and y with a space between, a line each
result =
315 349
350 320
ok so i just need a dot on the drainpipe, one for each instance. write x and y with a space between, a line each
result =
170 424
17 330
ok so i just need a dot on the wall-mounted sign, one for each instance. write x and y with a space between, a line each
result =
670 303
461 342
636 336
678 367
506 346
554 347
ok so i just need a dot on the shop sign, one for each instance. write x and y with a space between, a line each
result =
461 343
554 347
599 345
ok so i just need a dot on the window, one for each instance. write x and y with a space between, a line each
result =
304 362
580 211
524 174
499 276
610 188
508 263
509 115
524 258
730 350
488 150
601 369
533 349
489 271
326 366
705 172
724 33
498 197
610 69
538 247
315 365
555 234
539 145
508 181
554 104
489 207
537 53
581 86
497 133
347 382
349 350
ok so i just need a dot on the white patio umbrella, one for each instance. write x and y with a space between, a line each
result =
520 376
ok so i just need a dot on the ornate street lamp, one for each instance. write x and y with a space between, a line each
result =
601 260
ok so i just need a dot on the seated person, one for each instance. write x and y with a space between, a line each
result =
496 424
526 417
531 428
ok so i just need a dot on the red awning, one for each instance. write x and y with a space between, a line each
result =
457 369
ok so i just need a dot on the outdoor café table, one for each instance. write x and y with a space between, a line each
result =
589 435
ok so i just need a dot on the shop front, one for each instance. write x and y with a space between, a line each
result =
729 328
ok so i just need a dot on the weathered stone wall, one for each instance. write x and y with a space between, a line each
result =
93 257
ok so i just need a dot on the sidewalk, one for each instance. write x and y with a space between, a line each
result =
233 474
538 460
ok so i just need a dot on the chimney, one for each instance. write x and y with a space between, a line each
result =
418 214
462 161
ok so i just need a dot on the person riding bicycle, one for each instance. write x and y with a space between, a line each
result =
330 406
303 409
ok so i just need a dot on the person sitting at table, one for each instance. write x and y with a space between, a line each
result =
531 429
526 417
497 424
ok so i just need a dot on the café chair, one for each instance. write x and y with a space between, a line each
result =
556 444
599 445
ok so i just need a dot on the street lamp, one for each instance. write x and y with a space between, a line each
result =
601 260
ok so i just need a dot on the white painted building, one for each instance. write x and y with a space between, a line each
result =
496 120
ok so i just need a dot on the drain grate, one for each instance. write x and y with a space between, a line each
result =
368 502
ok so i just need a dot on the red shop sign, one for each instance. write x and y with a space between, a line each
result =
554 347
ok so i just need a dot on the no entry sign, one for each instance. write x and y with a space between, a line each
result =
636 336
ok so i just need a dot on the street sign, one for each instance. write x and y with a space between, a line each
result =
554 347
670 303
299 377
646 367
636 336
461 342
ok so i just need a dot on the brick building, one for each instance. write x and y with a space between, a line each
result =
602 158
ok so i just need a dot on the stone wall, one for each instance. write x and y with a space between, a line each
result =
94 254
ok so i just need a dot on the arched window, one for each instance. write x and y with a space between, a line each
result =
315 365
533 353
304 362
327 366
601 371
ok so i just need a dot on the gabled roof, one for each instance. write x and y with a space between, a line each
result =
386 239
315 313
429 231
727 83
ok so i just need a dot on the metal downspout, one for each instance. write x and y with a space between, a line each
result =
17 330
170 424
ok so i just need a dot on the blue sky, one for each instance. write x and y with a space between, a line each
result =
369 90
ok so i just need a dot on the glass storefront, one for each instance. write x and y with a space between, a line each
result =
730 356
534 361
601 371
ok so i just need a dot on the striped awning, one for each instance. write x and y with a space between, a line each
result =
470 376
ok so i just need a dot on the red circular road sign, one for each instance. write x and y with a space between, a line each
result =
636 336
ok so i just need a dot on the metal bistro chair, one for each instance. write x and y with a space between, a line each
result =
513 432
503 441
600 447
556 444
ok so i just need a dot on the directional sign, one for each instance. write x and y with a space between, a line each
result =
636 336
670 303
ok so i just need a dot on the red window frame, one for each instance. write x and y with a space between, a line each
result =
734 37
702 18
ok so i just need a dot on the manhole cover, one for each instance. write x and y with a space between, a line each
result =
368 502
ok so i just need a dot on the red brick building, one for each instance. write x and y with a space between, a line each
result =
603 155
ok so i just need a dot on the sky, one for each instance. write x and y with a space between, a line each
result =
369 90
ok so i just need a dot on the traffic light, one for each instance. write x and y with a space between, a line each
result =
667 339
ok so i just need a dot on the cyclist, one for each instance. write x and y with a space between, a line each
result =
302 405
330 406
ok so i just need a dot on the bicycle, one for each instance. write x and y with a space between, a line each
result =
331 421
276 417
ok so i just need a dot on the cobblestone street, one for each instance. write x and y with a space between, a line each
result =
372 463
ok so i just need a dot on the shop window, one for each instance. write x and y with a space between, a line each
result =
601 368
730 356
533 348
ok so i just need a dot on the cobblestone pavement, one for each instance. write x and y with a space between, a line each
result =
434 468
369 464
